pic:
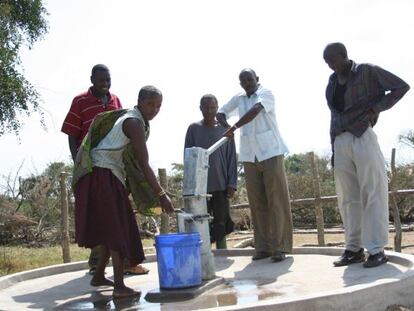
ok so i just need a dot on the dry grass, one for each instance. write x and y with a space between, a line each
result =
19 258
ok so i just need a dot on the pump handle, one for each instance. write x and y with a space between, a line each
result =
217 145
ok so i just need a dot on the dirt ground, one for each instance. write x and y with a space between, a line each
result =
331 239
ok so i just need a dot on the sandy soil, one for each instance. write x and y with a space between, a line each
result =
331 239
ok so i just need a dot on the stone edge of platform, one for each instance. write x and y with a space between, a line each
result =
9 280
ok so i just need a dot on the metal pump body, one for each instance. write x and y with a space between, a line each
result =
195 217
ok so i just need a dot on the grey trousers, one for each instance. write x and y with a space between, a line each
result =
268 195
362 188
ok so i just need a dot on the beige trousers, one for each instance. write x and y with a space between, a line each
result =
268 195
362 188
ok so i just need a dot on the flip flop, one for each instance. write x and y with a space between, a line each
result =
137 270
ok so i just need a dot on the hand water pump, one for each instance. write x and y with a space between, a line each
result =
195 217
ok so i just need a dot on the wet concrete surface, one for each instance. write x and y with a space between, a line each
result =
233 292
163 295
247 283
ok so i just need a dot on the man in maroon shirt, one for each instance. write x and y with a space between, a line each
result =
87 105
84 108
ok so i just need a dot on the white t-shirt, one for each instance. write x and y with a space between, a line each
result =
259 138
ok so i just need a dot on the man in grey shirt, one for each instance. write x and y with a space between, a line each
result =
222 172
356 95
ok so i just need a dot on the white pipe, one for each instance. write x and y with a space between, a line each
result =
217 145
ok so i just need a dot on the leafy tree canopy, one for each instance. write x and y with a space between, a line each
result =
22 22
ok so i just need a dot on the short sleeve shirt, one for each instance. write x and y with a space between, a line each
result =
259 139
83 110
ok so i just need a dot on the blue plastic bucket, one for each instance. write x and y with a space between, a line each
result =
179 259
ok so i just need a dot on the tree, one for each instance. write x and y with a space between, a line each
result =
22 22
300 180
407 138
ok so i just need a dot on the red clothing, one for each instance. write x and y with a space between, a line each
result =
104 216
84 108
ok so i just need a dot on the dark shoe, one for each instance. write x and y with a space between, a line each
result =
375 260
92 271
278 256
260 255
350 257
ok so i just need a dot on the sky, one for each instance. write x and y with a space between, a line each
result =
188 48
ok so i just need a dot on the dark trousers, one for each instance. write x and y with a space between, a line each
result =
219 207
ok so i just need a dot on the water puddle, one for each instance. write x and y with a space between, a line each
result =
233 292
238 292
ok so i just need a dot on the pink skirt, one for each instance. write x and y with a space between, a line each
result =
104 216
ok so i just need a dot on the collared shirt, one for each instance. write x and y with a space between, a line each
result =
369 88
259 139
84 108
222 171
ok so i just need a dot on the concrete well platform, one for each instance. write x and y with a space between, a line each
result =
306 280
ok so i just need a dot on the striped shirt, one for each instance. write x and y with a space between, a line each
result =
83 110
369 91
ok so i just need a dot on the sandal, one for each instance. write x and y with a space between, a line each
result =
136 270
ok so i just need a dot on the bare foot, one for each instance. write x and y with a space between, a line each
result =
101 281
125 292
